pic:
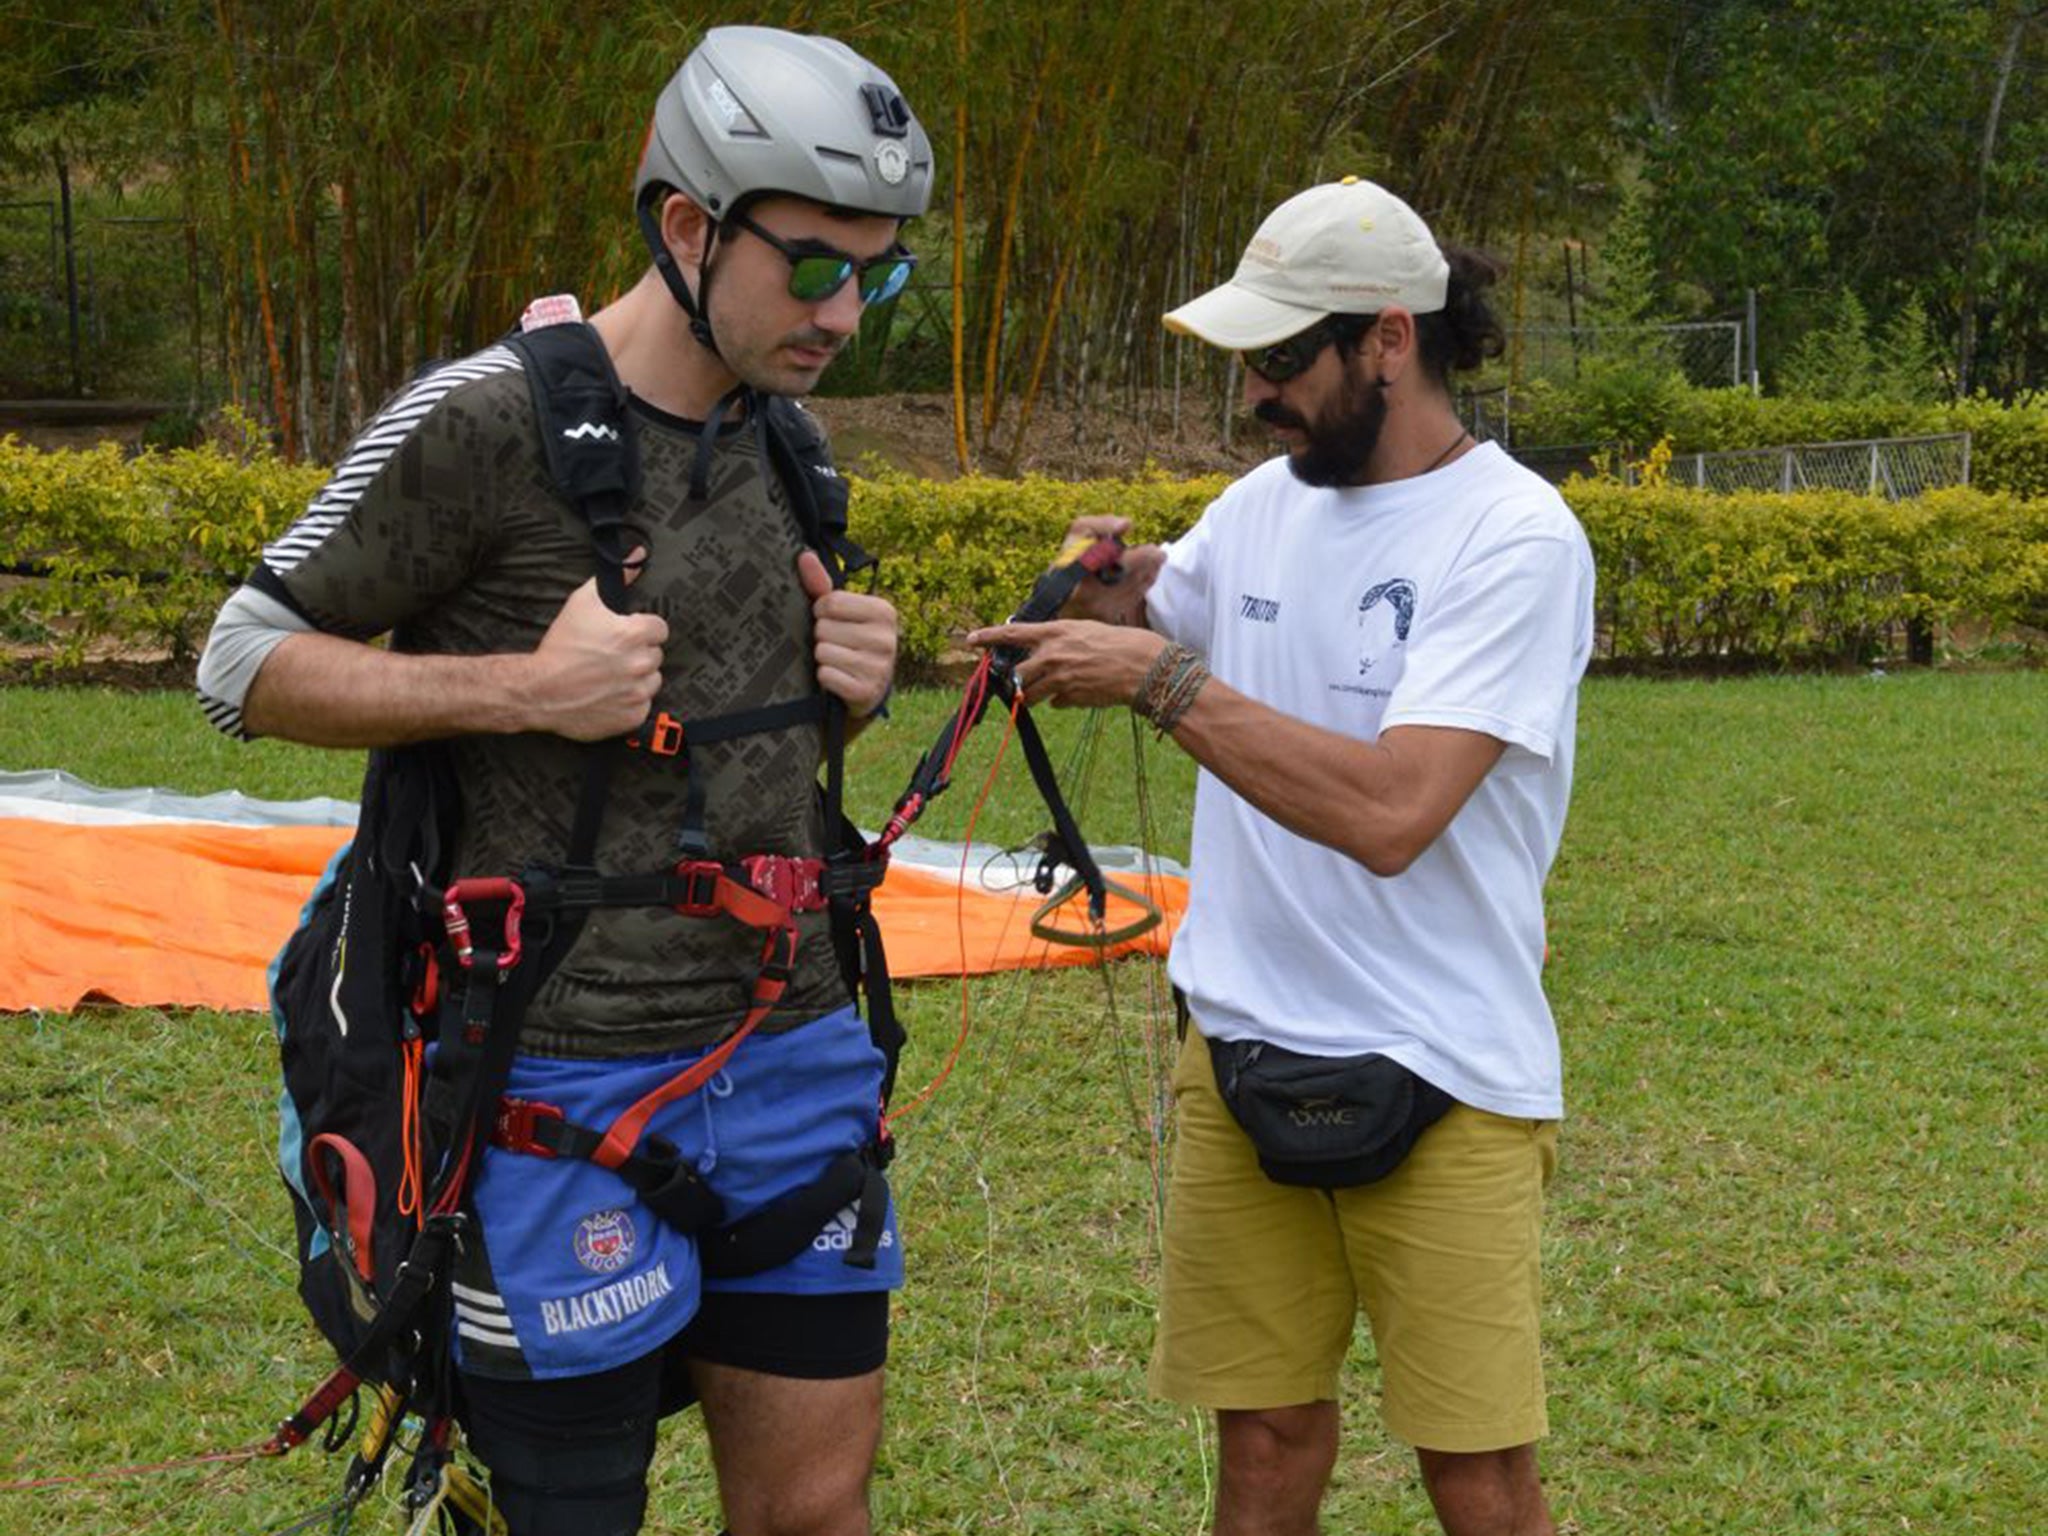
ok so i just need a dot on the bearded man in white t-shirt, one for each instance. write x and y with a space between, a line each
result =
1372 646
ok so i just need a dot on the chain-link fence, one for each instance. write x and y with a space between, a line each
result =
1897 468
124 319
1706 352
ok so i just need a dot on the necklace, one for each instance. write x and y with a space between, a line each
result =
1451 449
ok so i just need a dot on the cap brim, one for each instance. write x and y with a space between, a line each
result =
1237 319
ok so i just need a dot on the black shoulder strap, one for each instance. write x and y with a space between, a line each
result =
586 433
587 438
819 496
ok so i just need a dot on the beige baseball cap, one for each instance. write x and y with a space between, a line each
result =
1347 247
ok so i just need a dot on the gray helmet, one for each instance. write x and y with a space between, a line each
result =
755 110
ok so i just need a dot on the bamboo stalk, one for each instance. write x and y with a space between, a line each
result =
960 452
349 349
292 197
1004 240
240 177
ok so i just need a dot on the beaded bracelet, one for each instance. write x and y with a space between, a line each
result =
1155 675
1188 680
1169 687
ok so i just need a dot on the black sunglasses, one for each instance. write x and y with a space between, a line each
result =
1284 360
816 271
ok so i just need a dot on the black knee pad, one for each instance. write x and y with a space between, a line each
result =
613 1509
578 1484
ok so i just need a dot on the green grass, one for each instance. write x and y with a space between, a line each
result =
1794 1258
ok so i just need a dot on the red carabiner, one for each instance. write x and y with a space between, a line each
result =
456 920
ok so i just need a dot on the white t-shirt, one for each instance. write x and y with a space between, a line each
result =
1463 598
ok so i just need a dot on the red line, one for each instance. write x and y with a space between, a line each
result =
960 921
140 1469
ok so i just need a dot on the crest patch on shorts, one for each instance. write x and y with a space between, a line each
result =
605 1241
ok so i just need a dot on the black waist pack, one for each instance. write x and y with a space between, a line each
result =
1326 1122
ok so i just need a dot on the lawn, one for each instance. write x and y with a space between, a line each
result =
1794 1256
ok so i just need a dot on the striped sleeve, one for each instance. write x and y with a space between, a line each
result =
398 525
372 454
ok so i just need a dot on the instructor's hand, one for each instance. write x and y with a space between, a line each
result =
1123 603
596 672
853 638
1076 662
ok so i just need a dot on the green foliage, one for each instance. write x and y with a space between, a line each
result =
1616 402
1623 289
138 281
138 552
1840 358
1834 360
1626 387
1908 363
1804 145
141 551
1689 576
960 553
466 157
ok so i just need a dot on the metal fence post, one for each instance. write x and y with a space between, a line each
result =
1756 384
70 273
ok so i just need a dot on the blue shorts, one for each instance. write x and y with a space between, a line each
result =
573 1274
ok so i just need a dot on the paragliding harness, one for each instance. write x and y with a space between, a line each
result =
994 678
381 1135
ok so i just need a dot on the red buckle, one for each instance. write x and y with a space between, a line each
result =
700 892
516 1118
792 884
456 920
1102 557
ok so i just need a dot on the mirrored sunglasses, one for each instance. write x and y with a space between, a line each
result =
816 271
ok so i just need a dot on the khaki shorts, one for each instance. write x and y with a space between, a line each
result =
1263 1282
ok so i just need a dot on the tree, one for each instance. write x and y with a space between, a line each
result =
1823 144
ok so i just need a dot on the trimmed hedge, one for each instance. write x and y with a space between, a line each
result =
2008 443
141 552
1688 576
135 552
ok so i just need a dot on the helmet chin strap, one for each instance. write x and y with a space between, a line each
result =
671 274
697 307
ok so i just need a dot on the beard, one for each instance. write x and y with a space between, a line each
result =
1340 440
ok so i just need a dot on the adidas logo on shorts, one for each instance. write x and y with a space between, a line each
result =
838 1234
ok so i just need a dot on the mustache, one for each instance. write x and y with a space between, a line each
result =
811 337
1274 414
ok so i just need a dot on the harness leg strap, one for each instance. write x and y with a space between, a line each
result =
783 1228
874 1211
673 1190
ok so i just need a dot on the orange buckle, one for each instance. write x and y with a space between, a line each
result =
426 992
662 736
456 920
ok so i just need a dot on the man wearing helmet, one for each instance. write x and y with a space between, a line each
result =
777 173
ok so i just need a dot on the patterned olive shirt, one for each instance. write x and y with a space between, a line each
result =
441 528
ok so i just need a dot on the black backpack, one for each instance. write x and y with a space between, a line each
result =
376 1144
